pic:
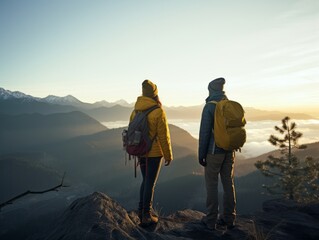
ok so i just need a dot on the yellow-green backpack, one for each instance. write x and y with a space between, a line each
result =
229 123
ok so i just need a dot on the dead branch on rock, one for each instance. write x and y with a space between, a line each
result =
56 188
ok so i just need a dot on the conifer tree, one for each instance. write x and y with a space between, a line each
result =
294 179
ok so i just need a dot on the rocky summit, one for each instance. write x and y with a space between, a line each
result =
97 216
285 219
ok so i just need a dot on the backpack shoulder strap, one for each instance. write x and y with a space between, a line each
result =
214 102
149 110
214 145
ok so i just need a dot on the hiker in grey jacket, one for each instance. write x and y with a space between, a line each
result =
206 138
216 161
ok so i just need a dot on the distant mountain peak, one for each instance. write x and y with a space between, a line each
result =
70 97
120 102
67 100
7 94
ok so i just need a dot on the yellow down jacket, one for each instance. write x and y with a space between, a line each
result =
158 127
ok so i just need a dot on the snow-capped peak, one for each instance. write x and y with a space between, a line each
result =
67 100
7 94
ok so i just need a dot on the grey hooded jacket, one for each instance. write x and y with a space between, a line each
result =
206 136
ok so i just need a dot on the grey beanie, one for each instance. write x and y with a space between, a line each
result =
216 85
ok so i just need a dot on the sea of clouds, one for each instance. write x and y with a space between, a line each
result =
258 133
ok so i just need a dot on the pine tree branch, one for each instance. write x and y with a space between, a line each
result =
56 188
271 190
271 173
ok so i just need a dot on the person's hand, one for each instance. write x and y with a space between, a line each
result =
167 162
202 162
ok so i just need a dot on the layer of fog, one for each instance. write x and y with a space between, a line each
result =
258 133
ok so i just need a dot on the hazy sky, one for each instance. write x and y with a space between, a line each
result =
268 51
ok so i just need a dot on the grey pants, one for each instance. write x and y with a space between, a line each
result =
222 164
150 169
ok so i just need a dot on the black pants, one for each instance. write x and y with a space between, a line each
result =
150 169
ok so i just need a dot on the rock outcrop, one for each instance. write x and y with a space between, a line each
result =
99 217
285 219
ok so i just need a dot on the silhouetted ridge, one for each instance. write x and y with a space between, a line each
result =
25 131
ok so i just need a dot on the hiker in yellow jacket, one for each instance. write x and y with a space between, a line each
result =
161 147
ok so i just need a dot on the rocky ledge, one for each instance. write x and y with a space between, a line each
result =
99 217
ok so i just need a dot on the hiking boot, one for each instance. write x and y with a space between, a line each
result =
149 219
220 223
211 227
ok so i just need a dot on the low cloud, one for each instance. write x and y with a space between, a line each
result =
258 133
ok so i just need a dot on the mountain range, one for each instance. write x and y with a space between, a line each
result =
14 102
51 99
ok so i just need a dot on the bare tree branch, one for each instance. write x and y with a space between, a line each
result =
56 188
271 172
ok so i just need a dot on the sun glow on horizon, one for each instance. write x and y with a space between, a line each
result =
267 51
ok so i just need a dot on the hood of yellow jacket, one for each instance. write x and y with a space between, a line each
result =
143 103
